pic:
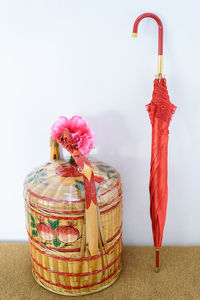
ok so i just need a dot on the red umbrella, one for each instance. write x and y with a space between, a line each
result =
160 111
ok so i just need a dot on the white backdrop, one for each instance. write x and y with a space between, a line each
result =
78 57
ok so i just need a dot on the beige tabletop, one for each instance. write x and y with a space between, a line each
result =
178 279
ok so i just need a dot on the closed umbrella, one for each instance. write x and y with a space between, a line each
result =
160 111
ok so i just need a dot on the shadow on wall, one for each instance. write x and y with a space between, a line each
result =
115 144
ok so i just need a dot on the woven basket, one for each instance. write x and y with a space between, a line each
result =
55 219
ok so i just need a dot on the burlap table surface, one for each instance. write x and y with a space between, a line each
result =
178 279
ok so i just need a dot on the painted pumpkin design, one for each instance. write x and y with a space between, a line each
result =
67 234
45 231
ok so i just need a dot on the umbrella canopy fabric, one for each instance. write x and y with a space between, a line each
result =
160 111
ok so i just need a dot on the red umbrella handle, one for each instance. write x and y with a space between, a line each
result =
160 37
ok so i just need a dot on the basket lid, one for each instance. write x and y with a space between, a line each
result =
57 185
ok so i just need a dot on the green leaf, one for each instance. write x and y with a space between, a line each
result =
33 225
111 171
80 187
72 160
54 225
101 169
56 243
80 182
31 179
102 166
32 219
42 174
34 233
115 176
51 223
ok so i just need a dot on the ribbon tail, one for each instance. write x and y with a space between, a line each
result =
92 228
91 213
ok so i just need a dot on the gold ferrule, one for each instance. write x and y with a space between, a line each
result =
160 64
157 270
134 34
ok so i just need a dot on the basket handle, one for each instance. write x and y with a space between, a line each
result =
54 149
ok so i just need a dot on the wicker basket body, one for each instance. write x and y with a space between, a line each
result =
55 218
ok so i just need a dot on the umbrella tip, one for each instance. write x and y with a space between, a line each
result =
134 34
157 260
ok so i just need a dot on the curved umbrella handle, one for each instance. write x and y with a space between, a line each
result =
160 36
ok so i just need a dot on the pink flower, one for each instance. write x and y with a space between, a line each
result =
82 136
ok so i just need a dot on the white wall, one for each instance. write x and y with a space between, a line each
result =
78 57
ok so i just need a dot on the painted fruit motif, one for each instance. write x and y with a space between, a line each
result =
67 170
67 234
45 231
